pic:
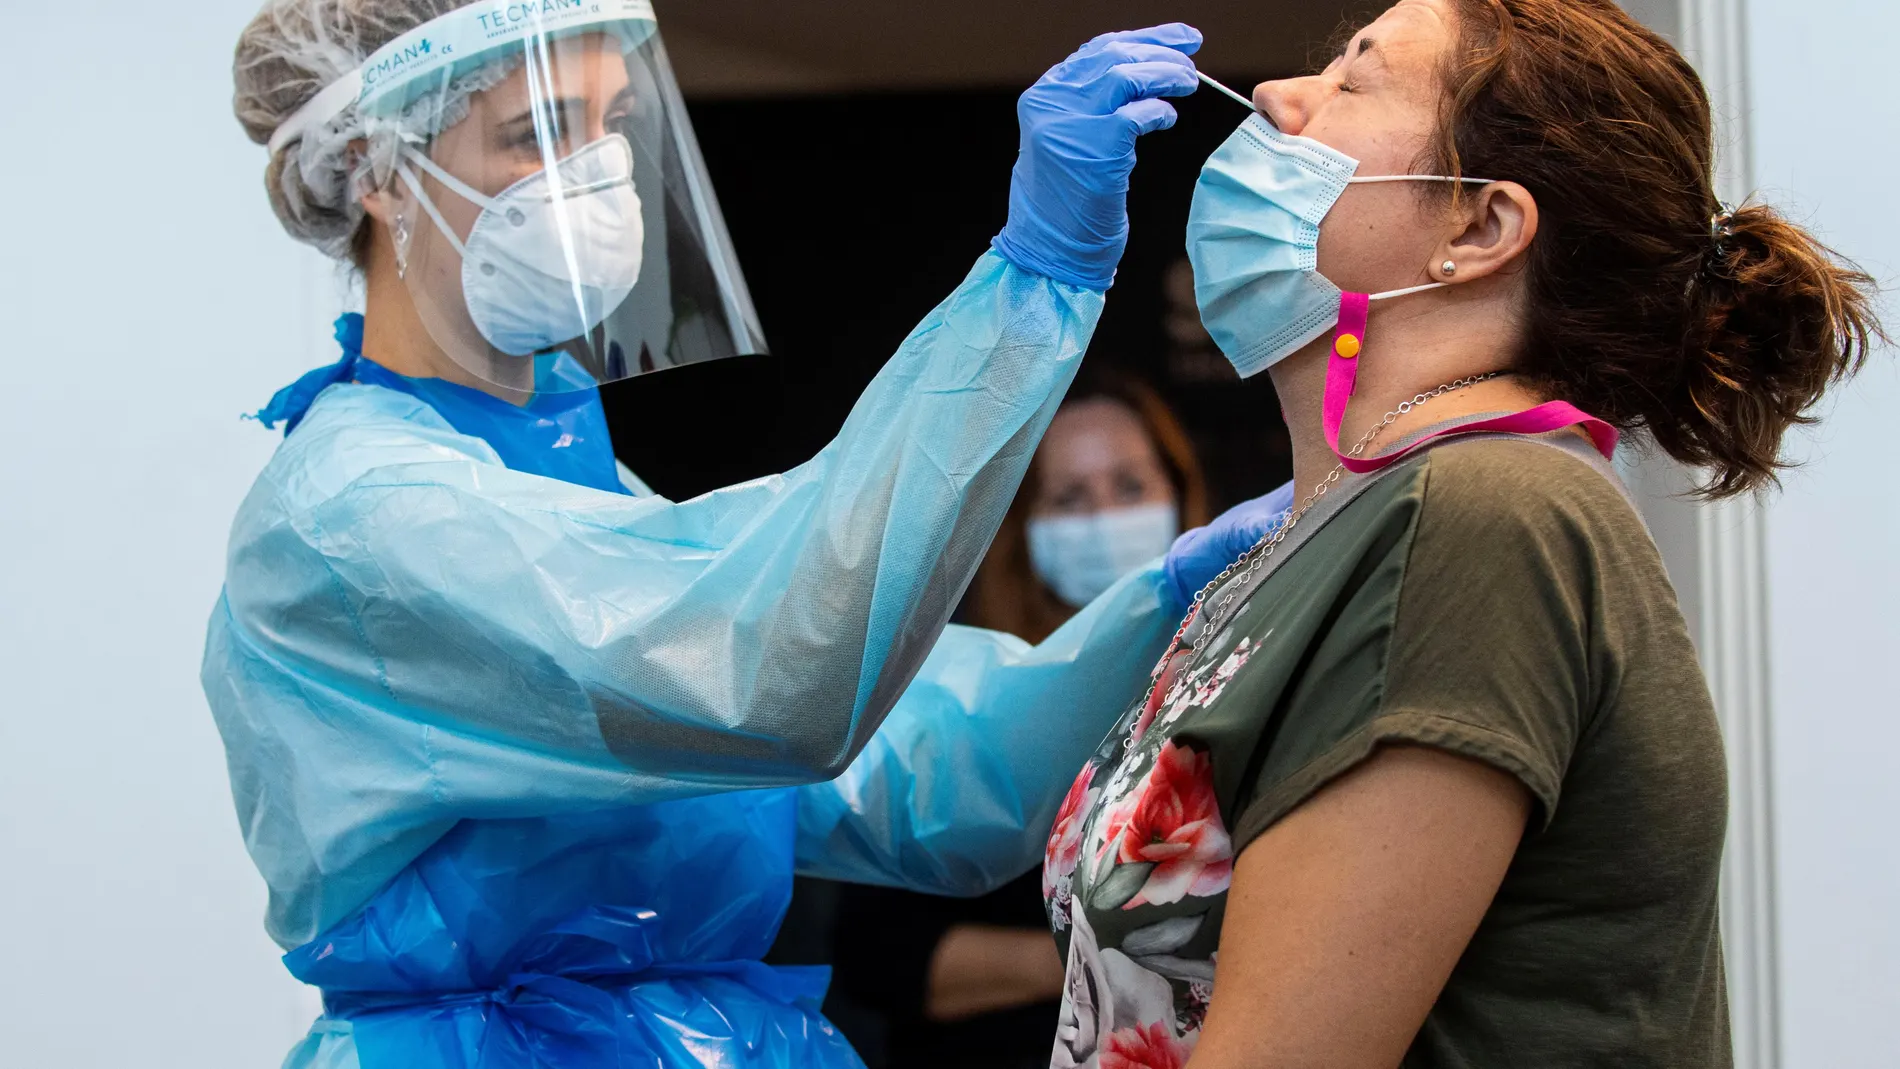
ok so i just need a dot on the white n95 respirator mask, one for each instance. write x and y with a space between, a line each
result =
551 256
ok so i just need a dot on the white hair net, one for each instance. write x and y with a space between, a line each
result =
286 56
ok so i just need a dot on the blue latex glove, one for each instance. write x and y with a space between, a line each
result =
1068 197
1200 555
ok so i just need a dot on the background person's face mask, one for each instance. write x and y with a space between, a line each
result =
1253 238
1079 557
554 254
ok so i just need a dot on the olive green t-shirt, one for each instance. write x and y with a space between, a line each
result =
1494 598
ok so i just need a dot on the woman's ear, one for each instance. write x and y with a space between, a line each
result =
1499 223
391 211
383 202
379 204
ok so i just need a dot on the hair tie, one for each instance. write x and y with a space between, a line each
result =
1721 229
1722 226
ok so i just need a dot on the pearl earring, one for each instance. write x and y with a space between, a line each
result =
1448 268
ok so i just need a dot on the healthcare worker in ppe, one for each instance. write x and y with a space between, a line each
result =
526 754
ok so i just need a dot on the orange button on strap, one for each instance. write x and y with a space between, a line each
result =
1347 346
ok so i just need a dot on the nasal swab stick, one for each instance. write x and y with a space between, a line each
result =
1243 101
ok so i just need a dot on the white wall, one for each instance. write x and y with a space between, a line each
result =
1825 107
148 297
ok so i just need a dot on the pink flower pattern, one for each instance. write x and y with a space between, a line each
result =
1165 691
1176 693
1065 839
1064 850
1206 691
1172 821
1150 813
1152 1046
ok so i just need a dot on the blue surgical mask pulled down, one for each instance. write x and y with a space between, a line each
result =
1079 557
1253 238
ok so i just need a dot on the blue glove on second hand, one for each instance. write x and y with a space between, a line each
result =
1068 196
1200 555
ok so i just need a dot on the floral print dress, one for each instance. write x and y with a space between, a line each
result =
1135 877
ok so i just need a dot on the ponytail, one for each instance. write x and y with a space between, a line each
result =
1775 318
1648 304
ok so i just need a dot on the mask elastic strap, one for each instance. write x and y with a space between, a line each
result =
557 193
456 185
1371 179
428 205
1342 374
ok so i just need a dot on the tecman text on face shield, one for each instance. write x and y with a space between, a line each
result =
505 15
396 63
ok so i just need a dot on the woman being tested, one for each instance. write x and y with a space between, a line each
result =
490 708
1432 777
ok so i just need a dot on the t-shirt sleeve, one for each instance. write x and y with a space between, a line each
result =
1475 635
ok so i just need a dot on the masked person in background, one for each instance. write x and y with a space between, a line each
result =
1433 778
1112 484
526 754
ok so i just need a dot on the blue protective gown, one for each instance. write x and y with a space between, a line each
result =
528 757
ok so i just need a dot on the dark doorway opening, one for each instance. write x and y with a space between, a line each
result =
853 216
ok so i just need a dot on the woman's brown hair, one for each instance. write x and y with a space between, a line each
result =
1006 595
1649 304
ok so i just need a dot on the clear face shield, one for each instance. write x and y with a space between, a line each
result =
547 203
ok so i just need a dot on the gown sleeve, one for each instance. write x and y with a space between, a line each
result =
413 634
957 792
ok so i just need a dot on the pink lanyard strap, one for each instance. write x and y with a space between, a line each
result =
1342 373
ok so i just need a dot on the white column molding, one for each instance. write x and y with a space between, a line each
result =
1734 647
1731 611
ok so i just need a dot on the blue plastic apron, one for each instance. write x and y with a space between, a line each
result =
628 937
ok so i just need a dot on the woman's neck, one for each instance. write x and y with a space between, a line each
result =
1413 345
395 336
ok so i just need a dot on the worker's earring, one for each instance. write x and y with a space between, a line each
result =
1448 268
400 231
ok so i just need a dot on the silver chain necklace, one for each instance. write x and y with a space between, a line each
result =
1243 568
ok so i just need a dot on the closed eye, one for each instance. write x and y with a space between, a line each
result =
1348 84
